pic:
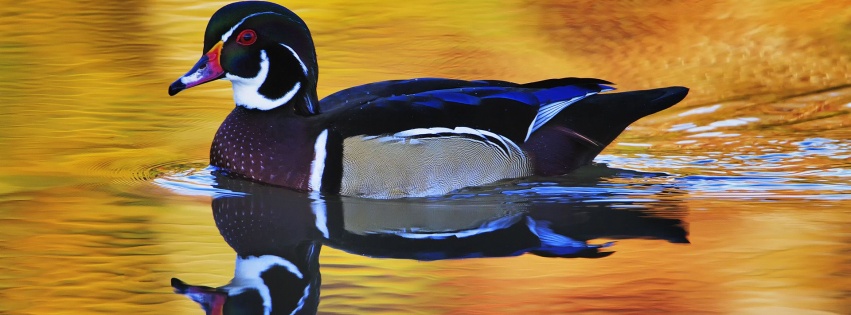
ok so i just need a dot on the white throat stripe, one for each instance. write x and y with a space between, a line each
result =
246 90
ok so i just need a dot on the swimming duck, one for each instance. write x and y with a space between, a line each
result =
391 139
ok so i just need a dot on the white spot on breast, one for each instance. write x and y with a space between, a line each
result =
317 166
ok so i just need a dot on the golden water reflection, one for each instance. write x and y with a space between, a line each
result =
86 124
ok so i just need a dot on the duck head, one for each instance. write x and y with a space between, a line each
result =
267 53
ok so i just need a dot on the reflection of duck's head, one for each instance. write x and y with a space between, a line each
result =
265 284
261 285
277 267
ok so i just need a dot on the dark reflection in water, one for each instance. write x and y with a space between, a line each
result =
277 233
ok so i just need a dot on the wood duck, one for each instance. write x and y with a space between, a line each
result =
391 139
277 235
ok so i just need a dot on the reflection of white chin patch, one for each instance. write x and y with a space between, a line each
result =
247 273
246 90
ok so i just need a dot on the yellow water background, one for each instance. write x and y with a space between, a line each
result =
86 125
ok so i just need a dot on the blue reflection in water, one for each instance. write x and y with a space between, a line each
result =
195 182
771 155
761 172
763 186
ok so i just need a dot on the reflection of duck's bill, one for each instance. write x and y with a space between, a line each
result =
212 300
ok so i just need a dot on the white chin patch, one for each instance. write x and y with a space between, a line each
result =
246 90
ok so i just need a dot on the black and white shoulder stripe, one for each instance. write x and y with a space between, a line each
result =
484 137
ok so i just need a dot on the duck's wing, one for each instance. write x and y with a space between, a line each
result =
506 109
363 94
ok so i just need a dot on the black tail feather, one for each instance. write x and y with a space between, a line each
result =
603 117
576 135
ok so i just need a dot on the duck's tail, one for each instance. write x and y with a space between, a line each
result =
577 134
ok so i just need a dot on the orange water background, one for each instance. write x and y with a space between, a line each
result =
86 124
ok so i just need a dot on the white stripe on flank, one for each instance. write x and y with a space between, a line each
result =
479 133
422 131
317 167
227 35
500 138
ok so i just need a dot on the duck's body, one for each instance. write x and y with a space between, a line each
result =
394 139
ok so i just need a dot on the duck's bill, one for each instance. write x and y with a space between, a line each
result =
211 299
207 69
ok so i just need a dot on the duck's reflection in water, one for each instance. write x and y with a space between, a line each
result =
277 234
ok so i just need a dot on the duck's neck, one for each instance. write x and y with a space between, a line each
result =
273 146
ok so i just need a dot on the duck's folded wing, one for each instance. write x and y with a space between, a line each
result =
507 109
363 94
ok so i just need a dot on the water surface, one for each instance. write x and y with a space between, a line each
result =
103 196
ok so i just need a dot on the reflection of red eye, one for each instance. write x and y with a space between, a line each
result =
246 37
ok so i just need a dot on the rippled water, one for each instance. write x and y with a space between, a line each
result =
734 201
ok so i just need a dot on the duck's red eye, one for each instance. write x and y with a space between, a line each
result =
246 37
